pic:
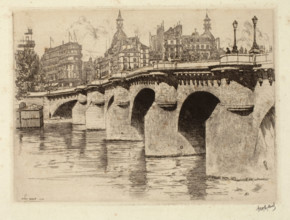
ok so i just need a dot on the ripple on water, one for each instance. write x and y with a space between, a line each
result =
65 162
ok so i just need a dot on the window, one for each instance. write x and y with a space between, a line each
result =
207 46
135 60
202 46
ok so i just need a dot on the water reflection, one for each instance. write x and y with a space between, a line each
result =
71 158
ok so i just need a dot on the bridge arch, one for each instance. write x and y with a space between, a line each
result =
58 105
141 104
194 112
64 110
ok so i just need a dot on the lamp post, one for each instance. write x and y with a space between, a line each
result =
235 48
129 62
255 47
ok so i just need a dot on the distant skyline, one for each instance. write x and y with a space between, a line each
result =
94 29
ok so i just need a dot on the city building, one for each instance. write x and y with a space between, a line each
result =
89 72
171 45
166 45
62 65
124 54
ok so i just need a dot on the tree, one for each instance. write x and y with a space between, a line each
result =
194 56
214 54
27 69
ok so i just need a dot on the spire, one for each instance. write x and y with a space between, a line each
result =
206 16
119 16
119 21
206 23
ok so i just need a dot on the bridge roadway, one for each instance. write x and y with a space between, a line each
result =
223 109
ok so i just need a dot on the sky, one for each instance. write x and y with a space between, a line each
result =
94 29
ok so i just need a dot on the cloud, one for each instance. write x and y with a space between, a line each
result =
90 37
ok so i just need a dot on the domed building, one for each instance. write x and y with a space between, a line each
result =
124 54
175 46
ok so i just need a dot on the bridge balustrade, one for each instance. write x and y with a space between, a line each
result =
246 59
237 59
183 65
264 58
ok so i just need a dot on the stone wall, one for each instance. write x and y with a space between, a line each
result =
95 113
229 144
79 114
79 110
118 121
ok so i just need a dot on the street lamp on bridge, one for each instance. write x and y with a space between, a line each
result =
255 48
235 48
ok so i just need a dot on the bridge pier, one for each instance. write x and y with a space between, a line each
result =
230 144
95 117
161 136
118 121
79 110
242 145
46 106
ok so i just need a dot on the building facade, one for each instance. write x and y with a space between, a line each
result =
62 65
89 72
171 45
124 54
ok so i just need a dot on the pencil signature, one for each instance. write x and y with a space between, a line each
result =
26 198
266 207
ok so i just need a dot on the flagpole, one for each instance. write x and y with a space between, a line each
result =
75 36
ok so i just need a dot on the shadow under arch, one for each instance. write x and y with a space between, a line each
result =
141 105
111 100
268 120
65 109
266 133
265 149
195 110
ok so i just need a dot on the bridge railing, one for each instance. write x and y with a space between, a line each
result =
245 59
237 59
264 58
184 65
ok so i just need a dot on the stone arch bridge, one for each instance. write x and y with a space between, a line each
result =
184 109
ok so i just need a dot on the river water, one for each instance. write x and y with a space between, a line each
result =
65 162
